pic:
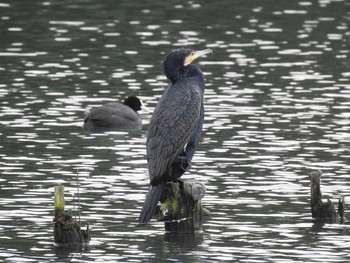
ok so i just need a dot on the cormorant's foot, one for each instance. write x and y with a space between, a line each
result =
184 164
179 167
181 183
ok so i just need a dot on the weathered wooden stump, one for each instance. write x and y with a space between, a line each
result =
67 232
181 208
324 210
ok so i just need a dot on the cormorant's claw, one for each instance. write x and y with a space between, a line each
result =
185 165
179 167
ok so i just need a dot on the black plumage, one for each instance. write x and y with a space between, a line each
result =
175 126
115 115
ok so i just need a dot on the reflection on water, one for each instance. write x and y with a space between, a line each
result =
277 103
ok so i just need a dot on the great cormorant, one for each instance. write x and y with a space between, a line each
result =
175 126
115 115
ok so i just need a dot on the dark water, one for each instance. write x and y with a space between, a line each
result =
277 107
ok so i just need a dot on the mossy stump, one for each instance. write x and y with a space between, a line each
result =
181 207
67 232
324 210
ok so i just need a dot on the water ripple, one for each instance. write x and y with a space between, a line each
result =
276 108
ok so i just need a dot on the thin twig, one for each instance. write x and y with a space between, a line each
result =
78 195
75 214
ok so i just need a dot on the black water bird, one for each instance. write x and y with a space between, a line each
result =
175 126
115 115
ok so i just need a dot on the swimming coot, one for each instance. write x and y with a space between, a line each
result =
115 115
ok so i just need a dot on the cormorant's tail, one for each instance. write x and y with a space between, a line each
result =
149 207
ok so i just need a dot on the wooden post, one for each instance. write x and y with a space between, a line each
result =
67 232
59 199
324 210
181 209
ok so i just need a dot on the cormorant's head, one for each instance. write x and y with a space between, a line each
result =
177 62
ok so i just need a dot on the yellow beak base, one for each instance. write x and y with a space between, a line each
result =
196 54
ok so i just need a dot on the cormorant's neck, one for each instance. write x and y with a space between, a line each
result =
191 70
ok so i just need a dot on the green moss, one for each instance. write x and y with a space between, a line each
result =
59 199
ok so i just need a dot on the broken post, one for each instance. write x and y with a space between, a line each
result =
324 210
67 232
181 209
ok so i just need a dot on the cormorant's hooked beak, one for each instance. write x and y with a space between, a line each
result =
196 54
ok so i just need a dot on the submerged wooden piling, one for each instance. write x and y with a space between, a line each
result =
181 209
59 199
321 209
67 232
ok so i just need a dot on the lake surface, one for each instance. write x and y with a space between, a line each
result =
277 107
